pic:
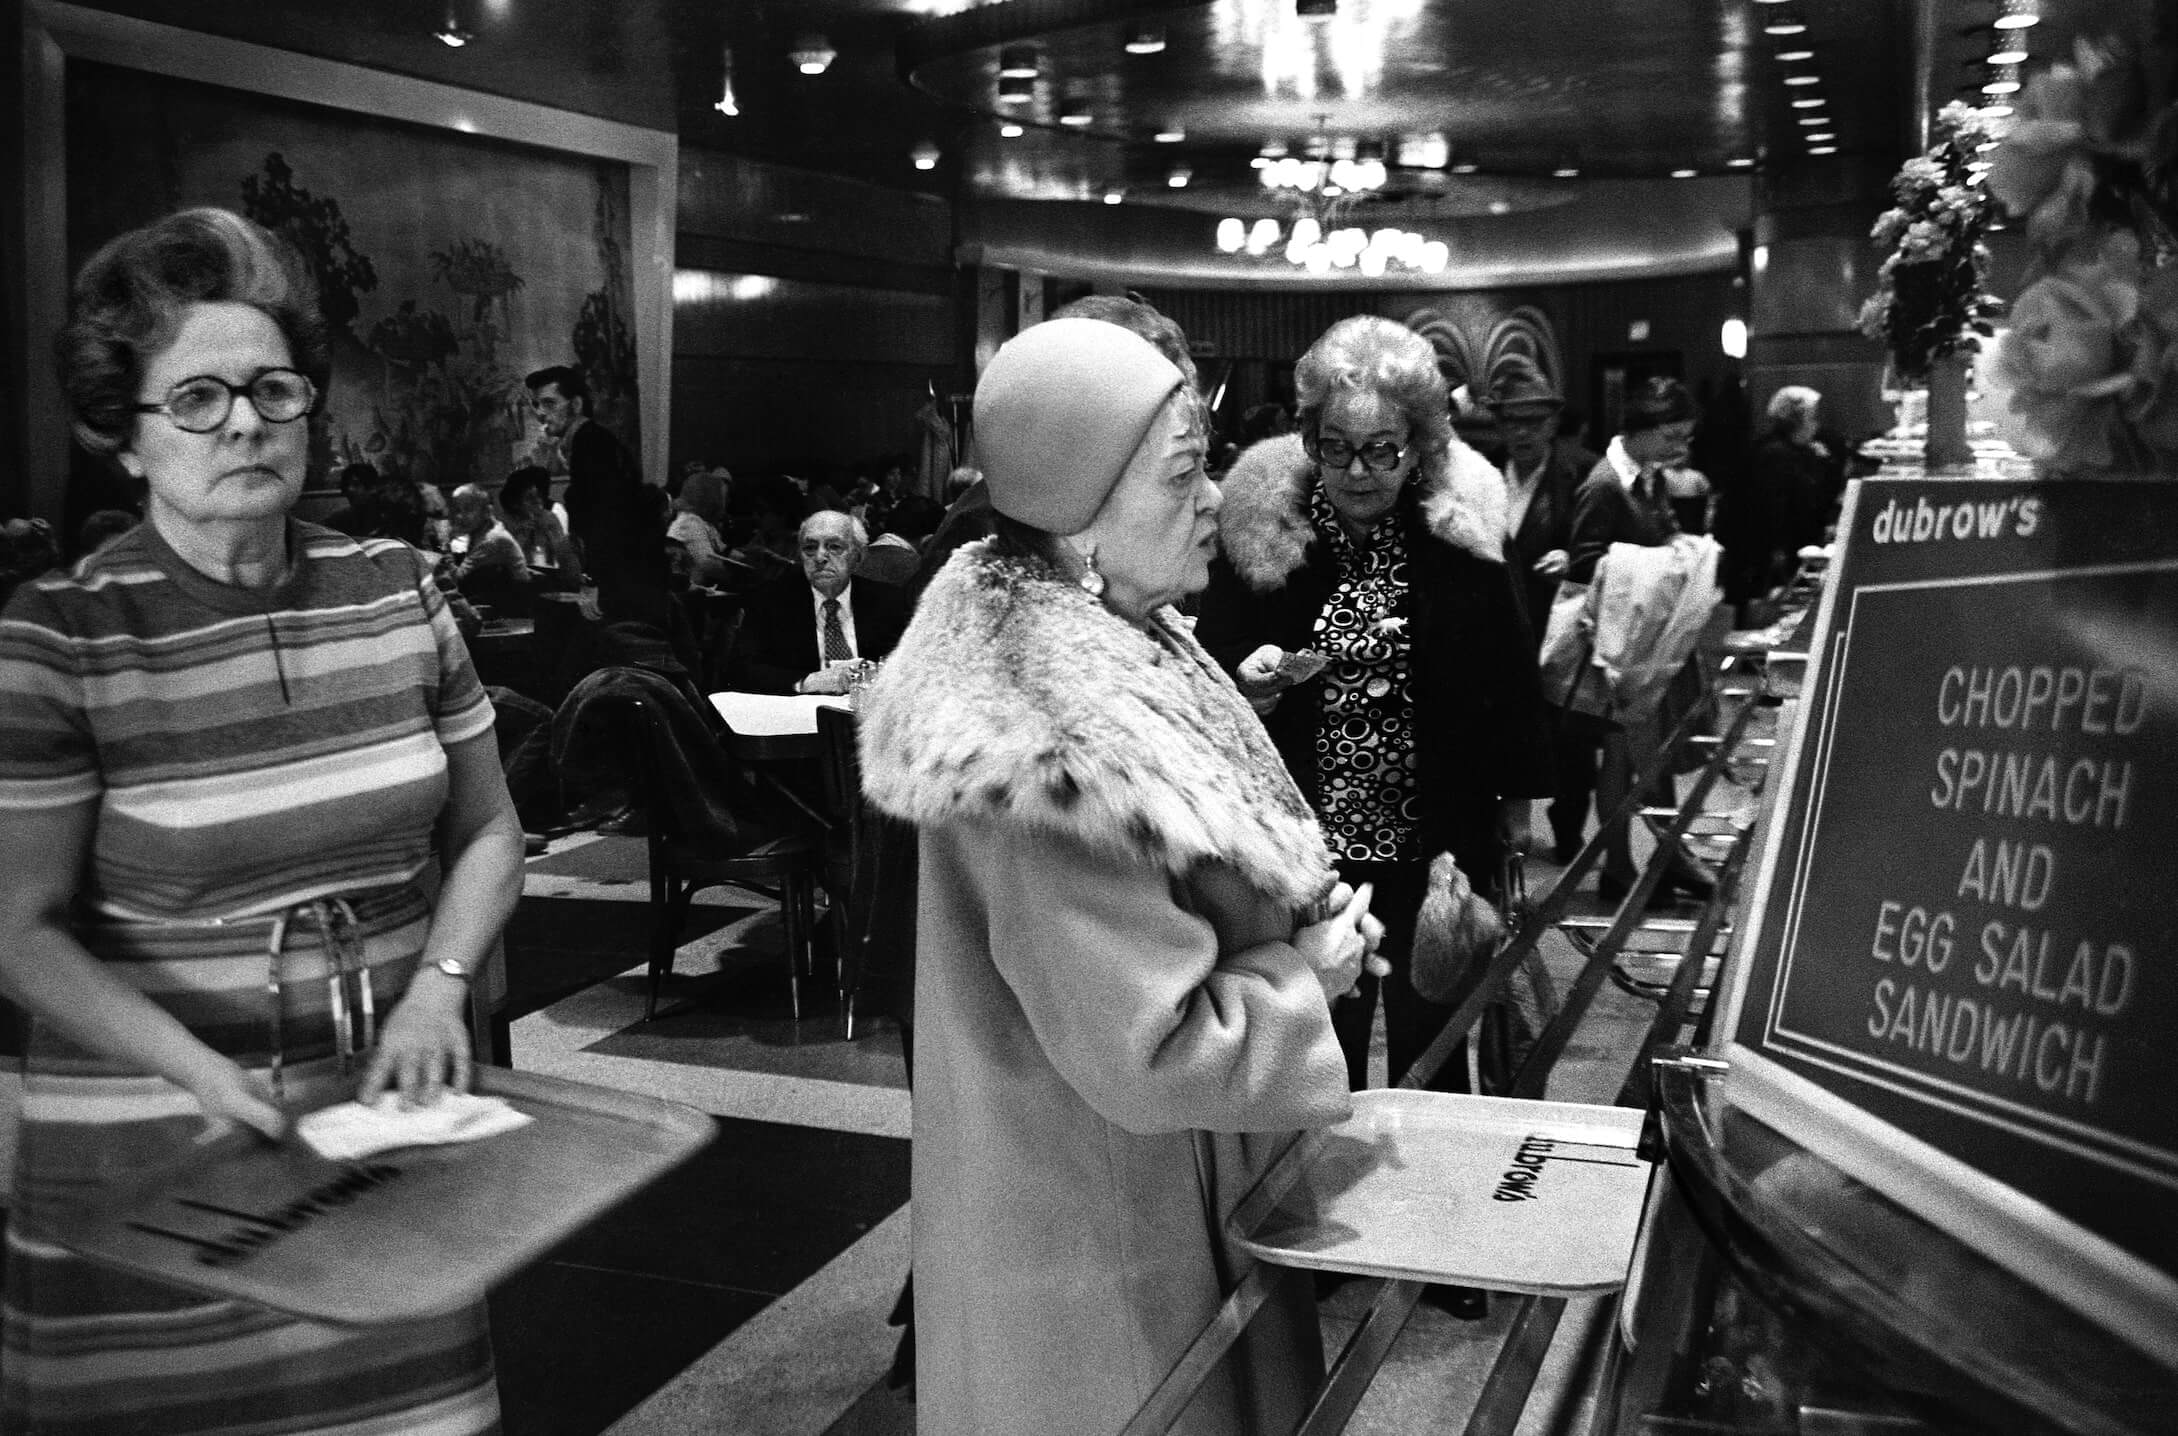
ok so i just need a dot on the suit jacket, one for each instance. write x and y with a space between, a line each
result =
1605 512
778 644
605 504
1548 524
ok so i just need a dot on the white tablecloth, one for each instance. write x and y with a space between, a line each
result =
766 715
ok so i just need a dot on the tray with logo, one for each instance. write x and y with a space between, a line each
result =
1493 1192
407 1233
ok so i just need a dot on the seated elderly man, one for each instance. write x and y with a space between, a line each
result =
489 566
804 632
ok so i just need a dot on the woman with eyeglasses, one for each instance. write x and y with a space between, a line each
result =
226 742
1372 540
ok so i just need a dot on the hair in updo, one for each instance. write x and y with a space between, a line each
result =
1374 355
1790 407
128 300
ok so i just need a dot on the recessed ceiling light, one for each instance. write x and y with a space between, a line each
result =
1009 131
1803 79
1075 113
1145 39
1791 57
1822 149
1172 136
925 156
1811 102
1997 111
2005 86
2018 15
1741 162
1566 172
1684 174
2011 54
1501 206
812 54
1819 137
1111 196
453 34
1814 119
1017 62
1179 177
1464 167
1784 27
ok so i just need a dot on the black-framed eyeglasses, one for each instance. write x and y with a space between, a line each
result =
201 404
1381 456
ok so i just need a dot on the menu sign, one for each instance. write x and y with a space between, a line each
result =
1960 979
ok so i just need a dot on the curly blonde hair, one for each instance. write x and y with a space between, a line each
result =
1375 355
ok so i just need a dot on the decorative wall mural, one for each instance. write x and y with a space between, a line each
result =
448 267
1473 337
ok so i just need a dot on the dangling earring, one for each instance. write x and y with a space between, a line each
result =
1092 582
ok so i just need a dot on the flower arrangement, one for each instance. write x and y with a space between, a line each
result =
2091 361
1933 298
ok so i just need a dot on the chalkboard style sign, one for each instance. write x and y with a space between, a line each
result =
1959 979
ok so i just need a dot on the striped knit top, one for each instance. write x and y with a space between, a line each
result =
246 749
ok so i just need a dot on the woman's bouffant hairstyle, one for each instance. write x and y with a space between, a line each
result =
1656 403
1790 406
1372 354
128 301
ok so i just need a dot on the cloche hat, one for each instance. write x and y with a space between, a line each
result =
1523 386
1059 413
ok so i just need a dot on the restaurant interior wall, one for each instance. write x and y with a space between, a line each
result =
15 455
1256 335
814 317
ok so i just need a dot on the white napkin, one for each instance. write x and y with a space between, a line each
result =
349 1130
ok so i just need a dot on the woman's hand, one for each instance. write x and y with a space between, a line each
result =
1258 676
424 1049
1343 945
227 1094
1553 564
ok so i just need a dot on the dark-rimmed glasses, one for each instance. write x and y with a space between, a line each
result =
1381 456
201 404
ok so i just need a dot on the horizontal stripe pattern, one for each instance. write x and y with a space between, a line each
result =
89 1350
236 741
245 752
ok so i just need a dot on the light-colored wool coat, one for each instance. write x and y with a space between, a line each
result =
1113 1034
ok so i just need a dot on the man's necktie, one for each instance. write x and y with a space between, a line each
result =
835 637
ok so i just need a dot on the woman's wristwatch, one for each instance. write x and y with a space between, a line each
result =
453 968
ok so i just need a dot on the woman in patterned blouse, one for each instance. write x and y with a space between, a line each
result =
229 744
1373 538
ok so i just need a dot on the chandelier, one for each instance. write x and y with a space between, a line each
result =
1324 189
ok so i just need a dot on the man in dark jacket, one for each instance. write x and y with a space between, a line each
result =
799 633
607 510
1542 472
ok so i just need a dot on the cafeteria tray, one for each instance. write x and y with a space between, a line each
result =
411 1232
1494 1192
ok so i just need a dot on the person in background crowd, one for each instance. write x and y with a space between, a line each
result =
1129 933
894 555
27 550
697 547
438 519
526 500
806 632
957 483
354 479
226 729
1374 539
1542 471
389 506
604 497
491 568
770 547
1624 501
1798 478
103 527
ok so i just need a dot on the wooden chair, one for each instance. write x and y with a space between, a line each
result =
779 859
